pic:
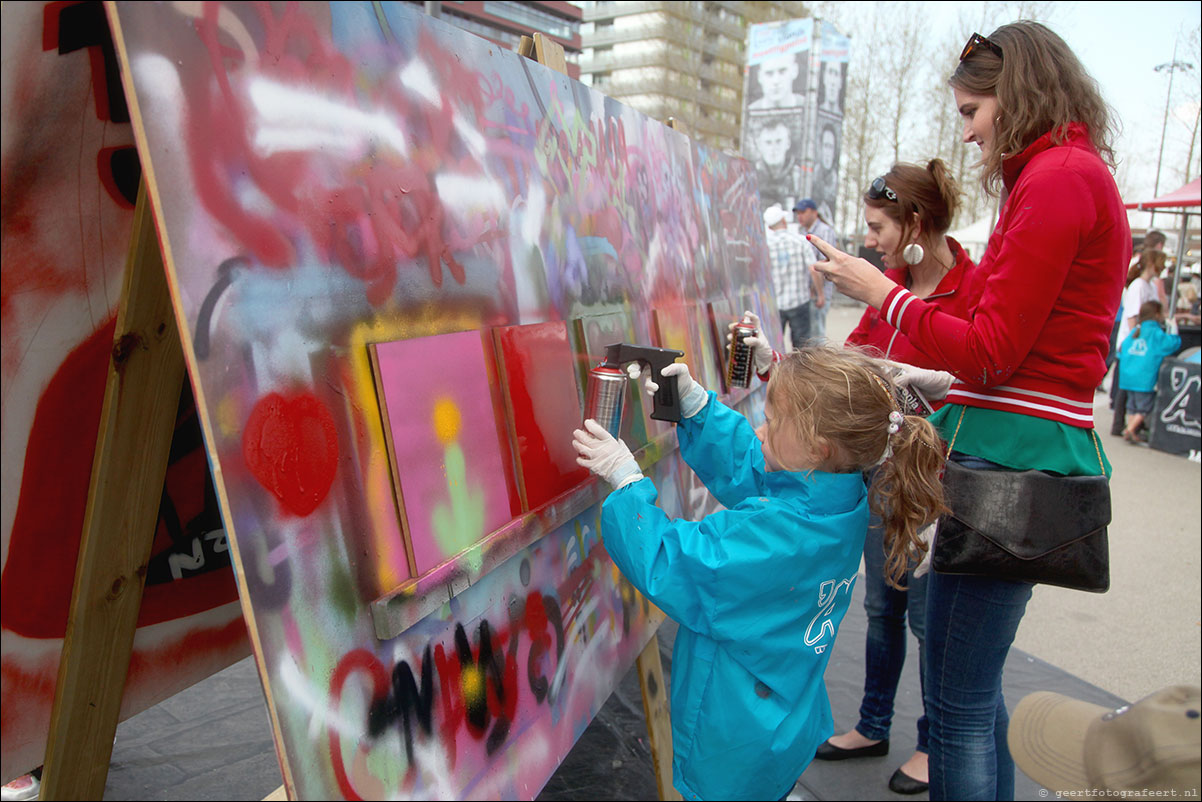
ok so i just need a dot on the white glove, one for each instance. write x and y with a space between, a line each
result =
926 535
762 355
1170 326
934 384
691 395
605 455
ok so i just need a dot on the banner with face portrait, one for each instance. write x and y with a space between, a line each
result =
832 56
778 107
793 94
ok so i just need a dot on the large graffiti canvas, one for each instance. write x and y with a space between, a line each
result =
333 177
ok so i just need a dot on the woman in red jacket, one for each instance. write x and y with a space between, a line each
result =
908 211
1025 363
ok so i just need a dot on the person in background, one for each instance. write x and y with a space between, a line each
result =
1025 364
809 222
1141 288
1188 309
1140 355
792 280
1153 241
1147 750
908 211
759 588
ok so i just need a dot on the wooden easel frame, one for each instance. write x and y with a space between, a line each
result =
146 373
141 397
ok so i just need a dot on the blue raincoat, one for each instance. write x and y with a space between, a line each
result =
759 591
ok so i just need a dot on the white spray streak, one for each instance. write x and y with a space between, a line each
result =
320 716
415 76
289 117
474 140
469 192
582 615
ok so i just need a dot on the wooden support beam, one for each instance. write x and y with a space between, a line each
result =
659 720
146 372
550 53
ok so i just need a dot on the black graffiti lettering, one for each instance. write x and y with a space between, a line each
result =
540 686
406 702
85 25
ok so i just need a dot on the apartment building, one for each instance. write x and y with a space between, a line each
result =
683 60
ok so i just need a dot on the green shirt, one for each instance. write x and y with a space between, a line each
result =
1021 442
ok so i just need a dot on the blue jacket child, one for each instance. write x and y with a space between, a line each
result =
759 589
1142 352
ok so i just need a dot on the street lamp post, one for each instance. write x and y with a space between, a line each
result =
1172 67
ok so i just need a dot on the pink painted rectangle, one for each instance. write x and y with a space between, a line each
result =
448 458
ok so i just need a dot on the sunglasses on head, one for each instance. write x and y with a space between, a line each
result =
975 41
879 189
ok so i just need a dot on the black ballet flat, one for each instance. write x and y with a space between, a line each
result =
902 783
828 751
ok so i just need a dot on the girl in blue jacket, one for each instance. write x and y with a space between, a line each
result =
1140 356
759 588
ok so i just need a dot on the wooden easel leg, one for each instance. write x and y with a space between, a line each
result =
659 723
141 397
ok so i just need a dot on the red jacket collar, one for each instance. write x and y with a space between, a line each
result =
950 281
1074 134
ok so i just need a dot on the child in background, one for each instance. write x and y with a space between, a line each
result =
1140 356
759 589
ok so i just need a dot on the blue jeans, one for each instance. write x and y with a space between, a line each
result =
798 320
970 623
885 646
818 321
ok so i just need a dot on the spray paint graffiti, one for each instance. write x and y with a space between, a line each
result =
381 178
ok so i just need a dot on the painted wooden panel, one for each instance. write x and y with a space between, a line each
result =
70 176
537 370
721 315
446 450
593 334
383 177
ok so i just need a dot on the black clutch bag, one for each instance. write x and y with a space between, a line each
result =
1028 526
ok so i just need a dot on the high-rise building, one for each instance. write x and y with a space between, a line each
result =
682 59
504 22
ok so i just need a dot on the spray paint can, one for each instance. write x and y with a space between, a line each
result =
604 397
739 364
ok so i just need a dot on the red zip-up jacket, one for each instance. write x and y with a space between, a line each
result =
876 336
1043 299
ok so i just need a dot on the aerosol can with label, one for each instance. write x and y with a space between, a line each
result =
605 395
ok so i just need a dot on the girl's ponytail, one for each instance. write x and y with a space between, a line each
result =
907 493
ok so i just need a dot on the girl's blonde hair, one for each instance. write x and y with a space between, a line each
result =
838 401
1041 87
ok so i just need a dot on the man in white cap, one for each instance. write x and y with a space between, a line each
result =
795 284
809 222
1142 751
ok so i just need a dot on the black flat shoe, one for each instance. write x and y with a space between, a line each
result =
902 783
828 751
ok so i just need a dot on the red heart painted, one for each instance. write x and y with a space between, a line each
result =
291 447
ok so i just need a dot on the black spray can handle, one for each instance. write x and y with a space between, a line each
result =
665 401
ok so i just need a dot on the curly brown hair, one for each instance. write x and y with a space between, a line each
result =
838 401
1040 87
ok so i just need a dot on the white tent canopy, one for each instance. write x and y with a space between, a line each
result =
974 237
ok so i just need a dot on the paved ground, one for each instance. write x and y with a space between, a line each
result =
214 742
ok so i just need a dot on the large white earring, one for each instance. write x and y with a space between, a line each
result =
913 253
